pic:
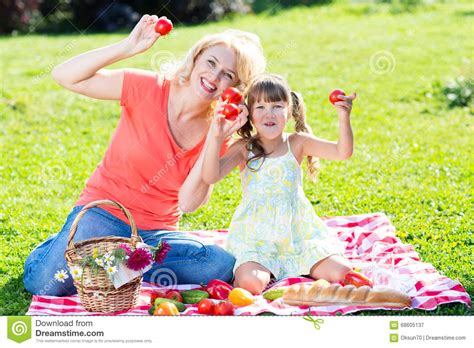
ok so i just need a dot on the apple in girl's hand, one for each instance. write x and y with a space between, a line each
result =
334 96
163 26
231 111
232 95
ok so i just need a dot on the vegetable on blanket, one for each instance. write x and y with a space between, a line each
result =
241 297
171 294
274 294
157 294
224 308
193 296
218 289
357 279
206 306
181 307
174 295
166 308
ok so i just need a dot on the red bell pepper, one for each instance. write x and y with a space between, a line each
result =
218 289
357 279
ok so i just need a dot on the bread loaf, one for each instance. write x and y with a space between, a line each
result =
320 294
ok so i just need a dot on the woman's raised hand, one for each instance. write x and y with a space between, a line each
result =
143 36
223 128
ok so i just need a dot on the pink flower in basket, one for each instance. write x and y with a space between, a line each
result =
139 259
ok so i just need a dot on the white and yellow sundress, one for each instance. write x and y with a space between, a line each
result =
275 224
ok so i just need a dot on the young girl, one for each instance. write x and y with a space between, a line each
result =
275 231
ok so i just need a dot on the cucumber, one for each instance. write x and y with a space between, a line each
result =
181 307
274 294
194 296
151 310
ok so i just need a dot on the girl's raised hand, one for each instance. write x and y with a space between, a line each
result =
143 36
223 128
344 107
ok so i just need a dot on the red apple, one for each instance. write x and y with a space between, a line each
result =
156 294
231 111
232 95
163 26
334 96
174 295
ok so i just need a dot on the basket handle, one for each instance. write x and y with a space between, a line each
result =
72 231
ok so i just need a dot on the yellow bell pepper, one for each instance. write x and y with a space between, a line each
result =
241 297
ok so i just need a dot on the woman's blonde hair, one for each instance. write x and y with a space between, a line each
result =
273 88
247 47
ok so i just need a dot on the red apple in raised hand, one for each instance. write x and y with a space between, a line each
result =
163 26
333 97
232 95
231 111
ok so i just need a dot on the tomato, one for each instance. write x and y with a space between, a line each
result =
241 297
232 95
231 111
224 308
166 308
206 306
155 294
174 295
163 26
333 97
357 279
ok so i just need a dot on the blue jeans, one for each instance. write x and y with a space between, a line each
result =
189 261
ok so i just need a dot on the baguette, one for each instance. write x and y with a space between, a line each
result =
321 294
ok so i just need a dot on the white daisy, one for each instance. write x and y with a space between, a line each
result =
76 272
61 276
111 269
100 262
108 259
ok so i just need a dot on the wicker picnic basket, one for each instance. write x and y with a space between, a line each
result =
95 289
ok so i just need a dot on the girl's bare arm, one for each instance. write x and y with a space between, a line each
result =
341 150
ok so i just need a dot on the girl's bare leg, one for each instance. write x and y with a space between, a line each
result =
333 269
252 276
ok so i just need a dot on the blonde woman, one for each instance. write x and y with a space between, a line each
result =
153 163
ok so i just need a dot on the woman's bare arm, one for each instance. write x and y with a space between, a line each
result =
84 74
194 192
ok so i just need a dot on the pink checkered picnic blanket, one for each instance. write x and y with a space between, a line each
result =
366 237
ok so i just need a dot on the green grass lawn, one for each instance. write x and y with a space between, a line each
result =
411 157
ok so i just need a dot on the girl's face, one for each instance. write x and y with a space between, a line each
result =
214 71
269 118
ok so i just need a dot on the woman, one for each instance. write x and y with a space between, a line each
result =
153 163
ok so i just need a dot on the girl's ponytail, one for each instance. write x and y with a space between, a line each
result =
298 111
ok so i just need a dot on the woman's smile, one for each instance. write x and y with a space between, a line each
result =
208 86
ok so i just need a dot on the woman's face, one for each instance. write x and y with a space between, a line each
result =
269 118
214 71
